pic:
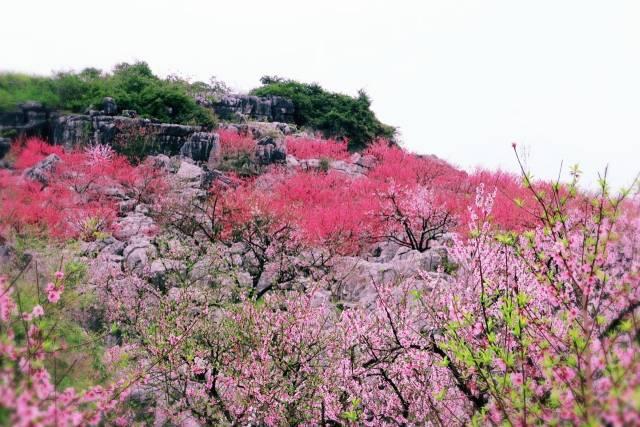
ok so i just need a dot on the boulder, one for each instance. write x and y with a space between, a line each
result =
211 176
367 161
351 169
189 172
356 276
271 149
386 251
134 224
244 107
106 246
109 106
160 269
27 119
72 131
41 171
292 162
201 147
132 114
137 254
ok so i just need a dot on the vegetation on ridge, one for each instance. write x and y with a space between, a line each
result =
334 114
132 86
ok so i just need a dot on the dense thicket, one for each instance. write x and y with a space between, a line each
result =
133 86
334 114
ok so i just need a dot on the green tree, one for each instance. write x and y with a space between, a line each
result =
336 115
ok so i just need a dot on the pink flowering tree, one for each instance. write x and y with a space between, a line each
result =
317 148
30 347
543 323
412 217
80 193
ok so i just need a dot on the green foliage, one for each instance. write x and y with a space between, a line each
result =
138 148
80 365
334 114
324 164
74 272
132 86
242 163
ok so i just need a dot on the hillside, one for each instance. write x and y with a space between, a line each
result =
277 259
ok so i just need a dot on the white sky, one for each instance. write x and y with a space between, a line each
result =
462 79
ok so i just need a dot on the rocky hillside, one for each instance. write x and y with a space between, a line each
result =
259 273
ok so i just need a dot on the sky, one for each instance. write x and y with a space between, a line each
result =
460 79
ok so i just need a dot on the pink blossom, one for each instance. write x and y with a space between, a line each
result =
37 311
54 292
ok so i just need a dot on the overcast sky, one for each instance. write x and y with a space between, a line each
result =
461 79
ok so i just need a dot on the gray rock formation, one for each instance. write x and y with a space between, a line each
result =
366 161
243 107
72 131
259 129
5 146
271 149
137 253
40 172
28 119
133 224
356 277
188 172
130 134
201 147
127 134
7 254
352 169
109 106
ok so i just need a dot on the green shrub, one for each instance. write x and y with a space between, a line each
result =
324 164
334 114
132 86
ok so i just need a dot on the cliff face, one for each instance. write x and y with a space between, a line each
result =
263 109
125 132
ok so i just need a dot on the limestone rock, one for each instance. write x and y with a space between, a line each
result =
41 171
351 169
7 254
160 269
137 254
367 161
271 149
72 131
109 106
134 224
267 109
190 172
27 119
292 162
356 276
201 146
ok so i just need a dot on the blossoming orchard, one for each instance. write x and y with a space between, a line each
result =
331 288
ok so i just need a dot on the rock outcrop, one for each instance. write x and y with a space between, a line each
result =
41 170
28 119
124 133
357 277
270 150
244 107
202 147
